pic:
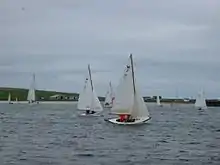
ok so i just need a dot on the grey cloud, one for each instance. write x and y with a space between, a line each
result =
175 44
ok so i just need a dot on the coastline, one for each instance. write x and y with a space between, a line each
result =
41 102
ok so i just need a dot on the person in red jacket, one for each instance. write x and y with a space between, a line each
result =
122 117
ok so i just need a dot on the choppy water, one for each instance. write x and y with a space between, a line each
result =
53 134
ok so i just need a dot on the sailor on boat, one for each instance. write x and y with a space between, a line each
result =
106 104
88 111
125 118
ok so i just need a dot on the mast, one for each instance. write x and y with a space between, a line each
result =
90 77
110 85
132 69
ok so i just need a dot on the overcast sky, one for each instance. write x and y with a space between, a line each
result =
175 44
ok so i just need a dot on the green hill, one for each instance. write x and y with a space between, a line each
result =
21 94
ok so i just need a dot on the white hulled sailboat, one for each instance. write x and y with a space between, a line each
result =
200 101
109 98
16 100
158 101
88 100
128 103
9 98
31 98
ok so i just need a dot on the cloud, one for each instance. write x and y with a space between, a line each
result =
175 44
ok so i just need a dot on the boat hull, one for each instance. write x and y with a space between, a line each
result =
107 106
202 108
34 103
142 120
89 115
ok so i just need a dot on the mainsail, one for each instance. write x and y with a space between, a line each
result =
158 101
127 97
88 99
9 97
31 93
200 100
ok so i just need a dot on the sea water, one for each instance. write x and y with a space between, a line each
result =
54 134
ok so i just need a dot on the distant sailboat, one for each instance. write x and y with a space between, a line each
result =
9 98
200 101
88 100
31 98
158 102
109 98
128 103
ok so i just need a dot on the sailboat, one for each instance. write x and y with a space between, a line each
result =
158 102
128 103
200 103
9 98
88 100
109 98
16 100
31 98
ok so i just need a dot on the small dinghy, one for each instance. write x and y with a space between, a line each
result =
128 103
16 100
158 102
9 99
200 103
31 98
88 100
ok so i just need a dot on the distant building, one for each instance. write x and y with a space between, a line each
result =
57 97
66 97
147 98
155 97
63 97
186 100
73 97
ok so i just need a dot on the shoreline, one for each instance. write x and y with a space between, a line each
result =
41 102
75 102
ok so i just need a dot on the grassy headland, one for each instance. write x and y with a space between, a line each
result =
43 95
21 94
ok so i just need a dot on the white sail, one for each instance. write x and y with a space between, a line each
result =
88 99
16 99
158 101
9 97
84 101
139 108
200 101
124 95
127 97
31 93
109 98
96 104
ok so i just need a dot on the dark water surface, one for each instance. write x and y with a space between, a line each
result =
53 134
